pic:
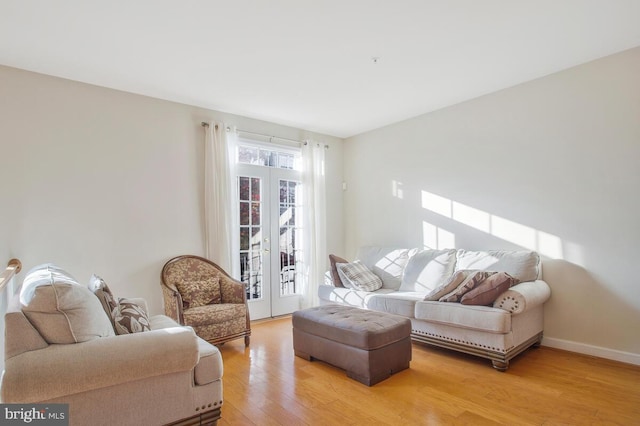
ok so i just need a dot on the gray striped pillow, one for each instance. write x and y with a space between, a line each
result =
357 276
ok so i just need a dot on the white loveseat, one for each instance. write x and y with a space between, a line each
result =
500 331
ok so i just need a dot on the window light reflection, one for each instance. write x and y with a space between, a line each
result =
513 232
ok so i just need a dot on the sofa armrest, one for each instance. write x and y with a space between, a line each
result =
60 370
523 296
232 291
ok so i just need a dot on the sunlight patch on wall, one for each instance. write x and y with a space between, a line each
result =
434 237
516 233
472 217
436 204
396 189
550 245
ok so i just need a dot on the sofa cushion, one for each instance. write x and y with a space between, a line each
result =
488 291
129 317
481 318
382 300
159 322
522 265
209 366
335 277
356 275
396 302
428 269
348 296
215 314
62 310
473 279
199 291
387 263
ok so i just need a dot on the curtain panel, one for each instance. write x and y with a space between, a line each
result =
220 210
314 205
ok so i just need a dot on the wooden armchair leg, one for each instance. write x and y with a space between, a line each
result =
247 340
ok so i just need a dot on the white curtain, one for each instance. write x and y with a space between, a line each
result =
314 205
220 210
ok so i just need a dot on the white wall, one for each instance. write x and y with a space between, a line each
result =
108 182
558 157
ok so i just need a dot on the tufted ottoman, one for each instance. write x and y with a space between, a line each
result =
369 345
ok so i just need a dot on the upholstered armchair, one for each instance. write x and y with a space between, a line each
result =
200 294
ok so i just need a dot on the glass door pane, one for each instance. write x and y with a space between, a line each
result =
251 235
289 227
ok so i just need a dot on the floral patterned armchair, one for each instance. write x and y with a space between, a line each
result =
200 294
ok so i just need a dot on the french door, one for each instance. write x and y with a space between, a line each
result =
270 233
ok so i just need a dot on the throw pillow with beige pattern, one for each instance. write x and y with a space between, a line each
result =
358 277
472 280
488 291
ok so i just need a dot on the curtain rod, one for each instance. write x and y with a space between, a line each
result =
271 137
205 124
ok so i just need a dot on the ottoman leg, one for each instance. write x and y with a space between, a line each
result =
303 355
369 380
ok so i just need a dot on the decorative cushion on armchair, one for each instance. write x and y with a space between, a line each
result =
200 294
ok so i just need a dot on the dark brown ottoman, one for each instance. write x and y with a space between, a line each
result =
369 345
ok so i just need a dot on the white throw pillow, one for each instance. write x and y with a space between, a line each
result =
427 270
357 276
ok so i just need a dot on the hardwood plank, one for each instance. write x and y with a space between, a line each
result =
266 384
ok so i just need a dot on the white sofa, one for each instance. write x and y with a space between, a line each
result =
513 323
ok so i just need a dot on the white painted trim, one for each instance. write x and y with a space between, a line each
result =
612 354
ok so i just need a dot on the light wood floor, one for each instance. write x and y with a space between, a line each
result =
266 384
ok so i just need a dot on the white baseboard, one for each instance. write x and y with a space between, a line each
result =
582 348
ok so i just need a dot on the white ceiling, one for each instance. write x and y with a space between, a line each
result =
308 64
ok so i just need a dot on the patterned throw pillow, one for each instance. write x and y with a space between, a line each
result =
358 276
129 317
450 285
205 291
469 283
104 294
489 290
